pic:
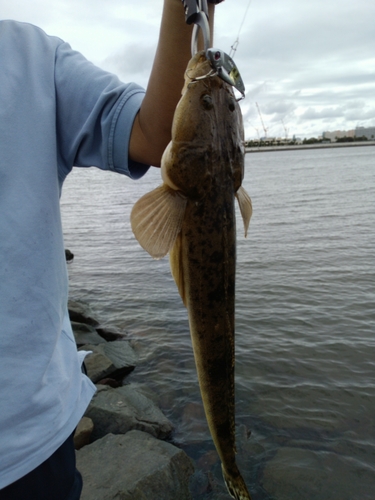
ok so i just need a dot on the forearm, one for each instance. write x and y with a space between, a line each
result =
152 127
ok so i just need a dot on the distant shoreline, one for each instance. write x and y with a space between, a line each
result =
310 146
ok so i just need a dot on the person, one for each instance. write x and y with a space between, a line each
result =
57 110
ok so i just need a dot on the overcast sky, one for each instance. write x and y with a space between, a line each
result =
310 66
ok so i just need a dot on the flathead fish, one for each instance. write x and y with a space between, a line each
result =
192 216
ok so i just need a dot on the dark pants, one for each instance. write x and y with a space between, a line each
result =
55 479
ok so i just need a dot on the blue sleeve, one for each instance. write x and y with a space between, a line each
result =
95 114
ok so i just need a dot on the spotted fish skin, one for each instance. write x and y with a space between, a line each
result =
192 216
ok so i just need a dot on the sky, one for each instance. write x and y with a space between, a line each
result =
308 67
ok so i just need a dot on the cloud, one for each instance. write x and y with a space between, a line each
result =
132 63
314 58
310 65
326 112
361 115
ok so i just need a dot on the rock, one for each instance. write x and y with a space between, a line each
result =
218 489
199 484
134 466
81 313
194 423
83 432
109 381
110 336
120 353
147 391
208 460
118 411
69 256
97 365
110 359
86 334
222 496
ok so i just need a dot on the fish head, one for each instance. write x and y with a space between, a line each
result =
207 131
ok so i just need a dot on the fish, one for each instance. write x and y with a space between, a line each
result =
191 216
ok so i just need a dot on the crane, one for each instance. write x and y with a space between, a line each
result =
261 119
286 130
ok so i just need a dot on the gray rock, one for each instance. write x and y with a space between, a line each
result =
83 433
199 483
119 410
69 256
110 359
98 366
134 466
120 353
147 391
110 335
81 313
86 334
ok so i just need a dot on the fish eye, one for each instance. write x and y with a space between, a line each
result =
207 101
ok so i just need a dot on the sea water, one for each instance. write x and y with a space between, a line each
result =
305 319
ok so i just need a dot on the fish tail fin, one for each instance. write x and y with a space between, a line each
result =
236 485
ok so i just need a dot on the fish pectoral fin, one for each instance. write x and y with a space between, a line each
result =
156 220
246 207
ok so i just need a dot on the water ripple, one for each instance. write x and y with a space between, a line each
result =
305 345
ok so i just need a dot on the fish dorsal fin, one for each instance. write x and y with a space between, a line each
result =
156 220
176 263
246 208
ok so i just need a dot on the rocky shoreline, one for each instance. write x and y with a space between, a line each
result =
124 443
120 441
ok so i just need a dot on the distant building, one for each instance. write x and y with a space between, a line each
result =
297 140
338 134
268 139
368 132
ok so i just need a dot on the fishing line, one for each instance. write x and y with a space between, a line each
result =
236 42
